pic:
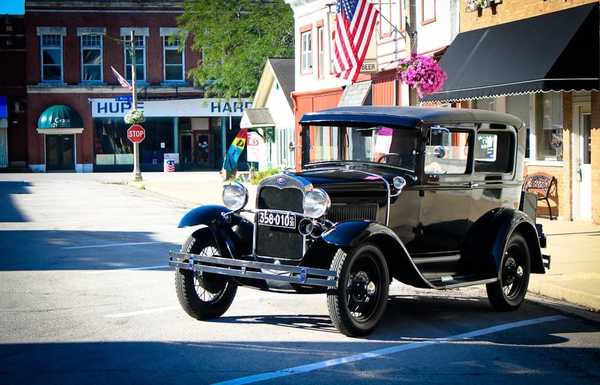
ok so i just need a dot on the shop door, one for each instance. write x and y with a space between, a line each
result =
3 148
60 152
582 189
185 152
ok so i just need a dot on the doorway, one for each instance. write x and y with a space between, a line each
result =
582 167
60 152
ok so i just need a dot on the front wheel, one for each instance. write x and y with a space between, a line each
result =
508 293
203 296
357 304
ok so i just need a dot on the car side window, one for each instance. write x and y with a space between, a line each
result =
495 151
447 151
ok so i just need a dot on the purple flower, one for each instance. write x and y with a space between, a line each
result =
422 73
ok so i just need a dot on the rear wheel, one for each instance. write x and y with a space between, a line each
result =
508 293
203 296
358 303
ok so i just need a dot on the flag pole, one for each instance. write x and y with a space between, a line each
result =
137 174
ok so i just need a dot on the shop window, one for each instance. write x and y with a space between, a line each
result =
447 151
52 57
111 144
518 105
321 51
91 58
140 57
173 59
488 104
487 156
306 47
549 126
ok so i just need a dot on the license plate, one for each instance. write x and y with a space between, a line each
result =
269 218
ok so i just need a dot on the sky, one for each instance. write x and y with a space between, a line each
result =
12 7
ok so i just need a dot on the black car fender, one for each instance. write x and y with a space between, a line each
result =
350 234
232 233
486 241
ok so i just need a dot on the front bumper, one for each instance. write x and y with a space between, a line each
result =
253 269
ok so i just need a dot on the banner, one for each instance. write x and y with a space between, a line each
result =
235 150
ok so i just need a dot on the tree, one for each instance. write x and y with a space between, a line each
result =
235 38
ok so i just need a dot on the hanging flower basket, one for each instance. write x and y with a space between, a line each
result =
134 117
422 73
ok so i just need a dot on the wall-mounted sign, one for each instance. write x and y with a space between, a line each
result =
205 107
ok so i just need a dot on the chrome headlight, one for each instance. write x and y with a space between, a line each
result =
235 196
316 203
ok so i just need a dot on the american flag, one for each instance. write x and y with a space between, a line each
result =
355 21
124 83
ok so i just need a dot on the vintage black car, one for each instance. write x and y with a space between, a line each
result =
430 197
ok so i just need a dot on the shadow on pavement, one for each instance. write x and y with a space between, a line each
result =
493 358
81 250
8 209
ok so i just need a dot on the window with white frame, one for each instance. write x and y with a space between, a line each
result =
518 105
385 19
321 51
173 59
140 57
52 57
306 54
549 126
91 58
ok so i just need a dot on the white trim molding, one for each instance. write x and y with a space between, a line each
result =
84 167
91 31
59 131
62 31
137 31
38 167
169 31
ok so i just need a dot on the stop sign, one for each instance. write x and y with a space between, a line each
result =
136 133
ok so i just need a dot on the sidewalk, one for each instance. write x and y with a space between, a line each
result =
574 246
574 274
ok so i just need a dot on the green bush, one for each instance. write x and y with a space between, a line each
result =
257 176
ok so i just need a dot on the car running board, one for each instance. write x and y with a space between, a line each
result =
453 282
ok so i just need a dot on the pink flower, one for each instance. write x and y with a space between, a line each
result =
423 73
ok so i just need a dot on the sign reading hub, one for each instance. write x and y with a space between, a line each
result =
206 107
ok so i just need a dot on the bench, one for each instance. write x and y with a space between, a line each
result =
543 186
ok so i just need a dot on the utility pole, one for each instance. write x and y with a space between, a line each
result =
137 174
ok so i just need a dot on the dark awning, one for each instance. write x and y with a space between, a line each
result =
59 119
554 52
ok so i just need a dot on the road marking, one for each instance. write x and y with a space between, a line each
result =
386 351
109 270
111 245
140 312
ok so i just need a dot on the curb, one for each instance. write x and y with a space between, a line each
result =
584 300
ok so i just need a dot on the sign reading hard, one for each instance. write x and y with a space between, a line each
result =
136 133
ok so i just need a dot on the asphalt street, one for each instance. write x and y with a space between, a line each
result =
86 298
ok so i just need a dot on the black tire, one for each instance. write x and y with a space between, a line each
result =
208 296
508 293
362 273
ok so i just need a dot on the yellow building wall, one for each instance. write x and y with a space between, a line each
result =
511 10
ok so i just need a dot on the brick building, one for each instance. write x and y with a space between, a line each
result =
76 105
538 60
12 92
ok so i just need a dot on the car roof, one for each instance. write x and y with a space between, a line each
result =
408 116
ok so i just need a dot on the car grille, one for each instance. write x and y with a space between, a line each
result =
278 242
340 213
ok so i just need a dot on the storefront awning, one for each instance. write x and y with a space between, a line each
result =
59 119
257 118
554 52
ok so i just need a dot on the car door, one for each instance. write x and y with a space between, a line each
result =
444 214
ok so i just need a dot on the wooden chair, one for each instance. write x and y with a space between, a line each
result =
543 186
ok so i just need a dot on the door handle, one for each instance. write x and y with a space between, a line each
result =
471 184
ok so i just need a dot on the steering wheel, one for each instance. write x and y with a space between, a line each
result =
384 157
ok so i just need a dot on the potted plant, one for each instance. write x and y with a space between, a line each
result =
422 73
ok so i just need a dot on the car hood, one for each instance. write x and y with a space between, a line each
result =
352 180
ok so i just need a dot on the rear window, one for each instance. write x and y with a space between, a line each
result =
495 151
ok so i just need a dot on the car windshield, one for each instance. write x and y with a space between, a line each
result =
376 144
